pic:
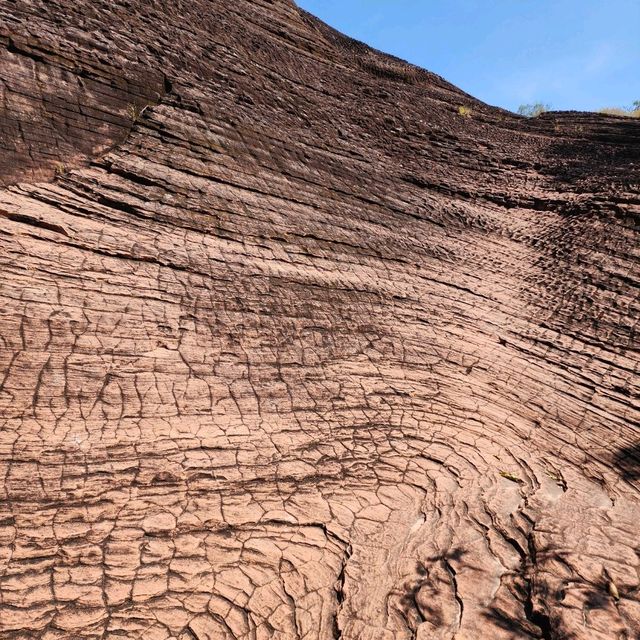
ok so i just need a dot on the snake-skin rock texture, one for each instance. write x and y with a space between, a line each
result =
292 347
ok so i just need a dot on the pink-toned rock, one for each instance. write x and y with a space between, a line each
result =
159 523
291 349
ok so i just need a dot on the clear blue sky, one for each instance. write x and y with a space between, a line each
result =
571 54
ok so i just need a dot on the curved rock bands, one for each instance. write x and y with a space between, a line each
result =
300 352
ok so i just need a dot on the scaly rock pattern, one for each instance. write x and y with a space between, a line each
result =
290 348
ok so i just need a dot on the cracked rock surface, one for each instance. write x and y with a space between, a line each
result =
293 349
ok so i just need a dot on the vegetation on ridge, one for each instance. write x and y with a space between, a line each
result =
630 112
535 109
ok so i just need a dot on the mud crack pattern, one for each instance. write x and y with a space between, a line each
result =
290 349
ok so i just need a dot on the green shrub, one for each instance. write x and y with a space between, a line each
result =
465 112
533 110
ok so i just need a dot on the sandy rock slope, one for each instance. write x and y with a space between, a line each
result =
291 348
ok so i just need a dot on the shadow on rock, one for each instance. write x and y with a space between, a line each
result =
627 461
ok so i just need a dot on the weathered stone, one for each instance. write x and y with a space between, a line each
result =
290 348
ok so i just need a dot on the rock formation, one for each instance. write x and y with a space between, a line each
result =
299 341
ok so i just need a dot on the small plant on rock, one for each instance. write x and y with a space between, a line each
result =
510 476
465 112
135 111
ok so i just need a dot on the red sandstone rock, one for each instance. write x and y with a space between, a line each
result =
289 348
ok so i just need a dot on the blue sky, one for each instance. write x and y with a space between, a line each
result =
571 54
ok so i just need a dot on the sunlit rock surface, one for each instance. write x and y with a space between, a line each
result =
292 347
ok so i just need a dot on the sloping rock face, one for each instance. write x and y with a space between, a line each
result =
292 348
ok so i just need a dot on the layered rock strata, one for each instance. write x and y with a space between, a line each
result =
293 347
